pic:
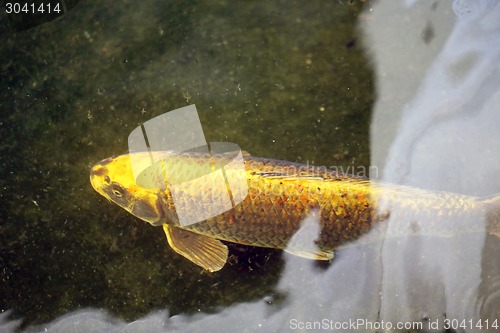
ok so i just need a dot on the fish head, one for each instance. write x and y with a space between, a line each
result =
114 179
146 184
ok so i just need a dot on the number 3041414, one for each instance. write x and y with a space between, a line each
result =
19 8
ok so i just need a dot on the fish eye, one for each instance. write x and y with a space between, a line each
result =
117 190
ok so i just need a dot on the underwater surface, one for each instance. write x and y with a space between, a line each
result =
411 88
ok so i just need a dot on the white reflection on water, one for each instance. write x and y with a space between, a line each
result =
446 138
309 294
439 63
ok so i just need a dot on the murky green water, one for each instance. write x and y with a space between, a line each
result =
281 79
409 87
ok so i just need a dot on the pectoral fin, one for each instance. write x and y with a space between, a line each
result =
314 254
209 253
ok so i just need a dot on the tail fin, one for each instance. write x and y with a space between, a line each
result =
492 205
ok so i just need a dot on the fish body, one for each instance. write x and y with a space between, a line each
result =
281 195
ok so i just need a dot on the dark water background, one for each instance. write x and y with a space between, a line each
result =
282 79
410 87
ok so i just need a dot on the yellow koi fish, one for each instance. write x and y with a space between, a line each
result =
280 195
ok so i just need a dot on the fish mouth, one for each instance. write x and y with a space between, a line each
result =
100 168
98 177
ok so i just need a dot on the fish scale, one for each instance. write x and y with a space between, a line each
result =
281 197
